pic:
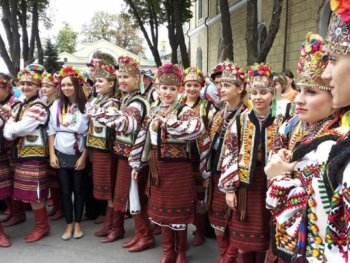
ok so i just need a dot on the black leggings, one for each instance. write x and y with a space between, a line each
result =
72 182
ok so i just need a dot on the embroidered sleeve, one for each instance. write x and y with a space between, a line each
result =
138 150
186 126
229 178
125 121
32 117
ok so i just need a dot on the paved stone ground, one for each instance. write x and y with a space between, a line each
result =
52 249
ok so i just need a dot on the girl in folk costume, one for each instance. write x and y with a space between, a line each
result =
338 185
100 142
170 128
193 83
6 185
49 91
26 127
248 143
129 189
67 128
232 92
296 194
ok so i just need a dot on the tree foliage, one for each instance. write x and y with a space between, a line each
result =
66 39
18 17
117 29
51 62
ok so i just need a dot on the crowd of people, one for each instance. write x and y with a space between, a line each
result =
261 155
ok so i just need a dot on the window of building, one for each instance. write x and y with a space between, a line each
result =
325 15
200 9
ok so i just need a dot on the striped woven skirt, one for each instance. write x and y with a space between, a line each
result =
6 184
173 200
253 233
122 186
218 210
102 166
30 181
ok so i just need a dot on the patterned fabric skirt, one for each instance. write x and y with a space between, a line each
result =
173 200
122 186
200 191
102 166
30 181
6 184
218 210
253 233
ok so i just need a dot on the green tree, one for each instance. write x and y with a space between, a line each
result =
117 29
66 39
17 18
51 62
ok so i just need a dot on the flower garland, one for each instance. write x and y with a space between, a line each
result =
342 8
32 74
71 71
193 73
260 70
232 72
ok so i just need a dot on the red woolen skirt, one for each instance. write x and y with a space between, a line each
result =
173 200
102 174
6 185
218 210
253 233
30 181
122 186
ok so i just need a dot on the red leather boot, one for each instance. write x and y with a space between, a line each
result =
168 245
181 246
118 230
4 240
107 223
18 213
42 227
144 236
200 221
223 244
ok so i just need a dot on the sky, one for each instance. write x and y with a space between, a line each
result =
77 13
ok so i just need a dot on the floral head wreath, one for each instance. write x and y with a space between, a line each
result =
217 70
193 73
106 71
338 39
73 72
37 68
129 65
48 77
170 74
28 75
312 62
5 80
232 73
261 76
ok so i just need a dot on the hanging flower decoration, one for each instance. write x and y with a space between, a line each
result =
341 7
71 71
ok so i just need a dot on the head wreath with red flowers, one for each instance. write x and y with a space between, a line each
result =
217 70
129 65
232 73
170 74
106 71
29 76
70 71
338 38
195 74
312 62
49 79
261 76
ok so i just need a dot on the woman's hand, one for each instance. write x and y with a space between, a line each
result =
231 200
134 175
279 164
80 164
54 161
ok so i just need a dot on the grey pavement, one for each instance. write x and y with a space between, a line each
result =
52 249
